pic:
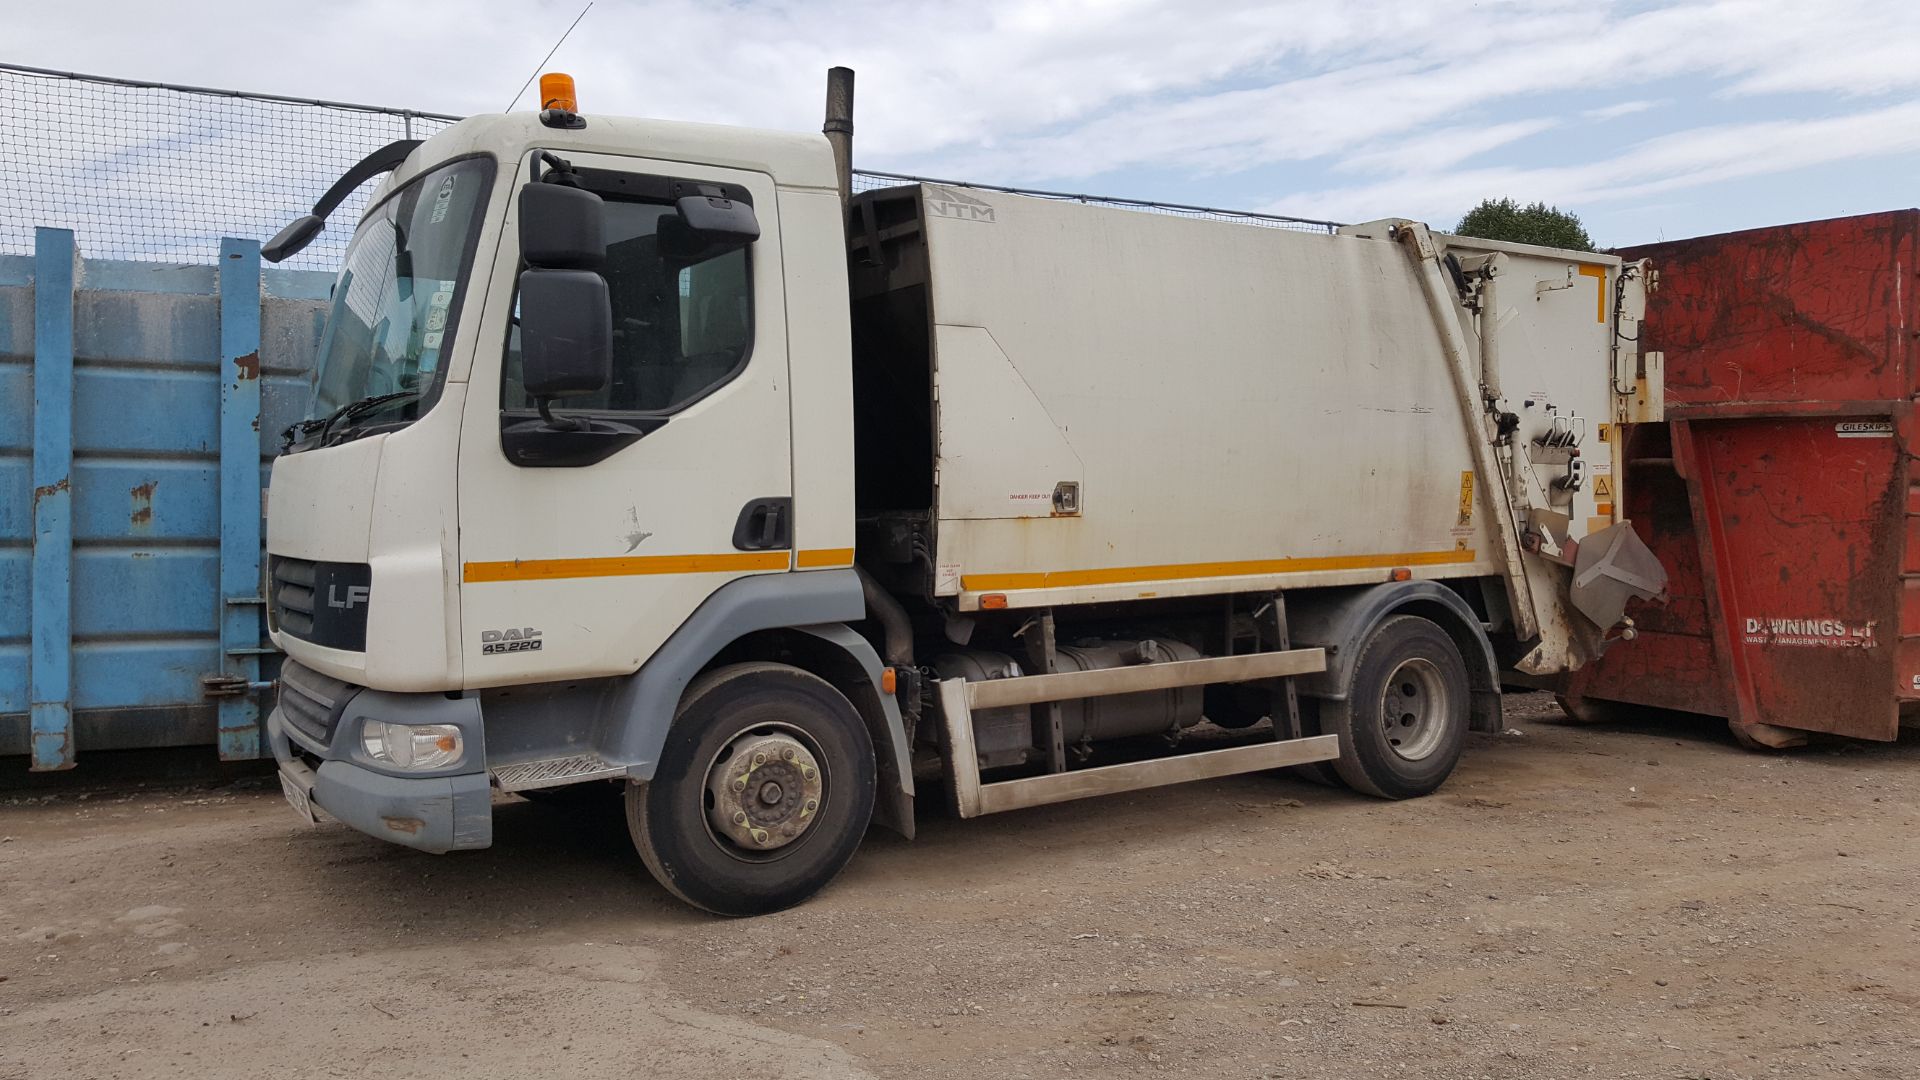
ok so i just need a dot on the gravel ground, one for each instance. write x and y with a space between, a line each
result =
1616 902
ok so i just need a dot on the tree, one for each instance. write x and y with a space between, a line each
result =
1504 219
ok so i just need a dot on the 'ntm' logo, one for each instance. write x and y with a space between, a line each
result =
948 203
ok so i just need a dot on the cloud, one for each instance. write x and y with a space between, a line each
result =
1669 163
1444 72
1355 105
1442 149
1619 109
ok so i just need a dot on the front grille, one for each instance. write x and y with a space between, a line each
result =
311 702
322 602
293 595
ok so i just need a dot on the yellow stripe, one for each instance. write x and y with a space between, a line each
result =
1121 575
631 566
1599 274
825 557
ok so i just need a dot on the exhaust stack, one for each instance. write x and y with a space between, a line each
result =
839 127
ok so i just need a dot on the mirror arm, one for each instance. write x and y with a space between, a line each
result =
289 241
559 170
384 160
558 423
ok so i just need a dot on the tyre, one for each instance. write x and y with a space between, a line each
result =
763 791
1404 721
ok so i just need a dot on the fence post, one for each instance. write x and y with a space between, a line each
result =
240 507
50 694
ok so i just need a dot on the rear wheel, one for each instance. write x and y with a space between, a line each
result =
1404 720
763 791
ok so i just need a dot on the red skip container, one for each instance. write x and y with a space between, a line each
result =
1782 493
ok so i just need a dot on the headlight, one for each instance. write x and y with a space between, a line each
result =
411 746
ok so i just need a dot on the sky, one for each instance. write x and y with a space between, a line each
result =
1651 121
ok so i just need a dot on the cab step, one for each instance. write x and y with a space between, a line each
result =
555 772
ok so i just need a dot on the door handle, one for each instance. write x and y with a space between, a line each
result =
764 525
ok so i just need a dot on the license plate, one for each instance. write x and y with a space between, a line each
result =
297 798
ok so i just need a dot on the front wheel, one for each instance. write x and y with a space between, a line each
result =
1404 720
763 791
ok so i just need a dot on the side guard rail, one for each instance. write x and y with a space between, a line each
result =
958 699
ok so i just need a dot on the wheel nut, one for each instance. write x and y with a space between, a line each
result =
787 754
806 771
759 759
740 784
759 836
739 817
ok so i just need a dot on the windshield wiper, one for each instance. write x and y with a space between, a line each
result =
354 409
319 426
298 431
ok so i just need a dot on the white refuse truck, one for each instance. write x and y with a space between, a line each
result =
640 458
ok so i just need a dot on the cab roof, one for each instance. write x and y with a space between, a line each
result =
793 159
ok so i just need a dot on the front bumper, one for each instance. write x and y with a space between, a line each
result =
436 813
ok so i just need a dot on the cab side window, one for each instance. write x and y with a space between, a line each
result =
682 320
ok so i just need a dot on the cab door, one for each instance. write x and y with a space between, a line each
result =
579 562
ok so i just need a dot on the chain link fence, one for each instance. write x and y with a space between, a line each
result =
156 172
159 172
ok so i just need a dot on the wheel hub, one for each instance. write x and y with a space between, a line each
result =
766 791
1413 708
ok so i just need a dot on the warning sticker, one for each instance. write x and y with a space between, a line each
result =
1606 432
946 579
1603 487
1466 498
1864 429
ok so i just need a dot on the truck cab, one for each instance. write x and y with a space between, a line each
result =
442 540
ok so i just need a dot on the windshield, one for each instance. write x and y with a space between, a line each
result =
397 299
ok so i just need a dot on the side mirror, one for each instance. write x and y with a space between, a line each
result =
727 222
566 334
289 241
560 227
706 226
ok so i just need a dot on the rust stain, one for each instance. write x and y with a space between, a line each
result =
45 490
249 366
409 825
142 498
